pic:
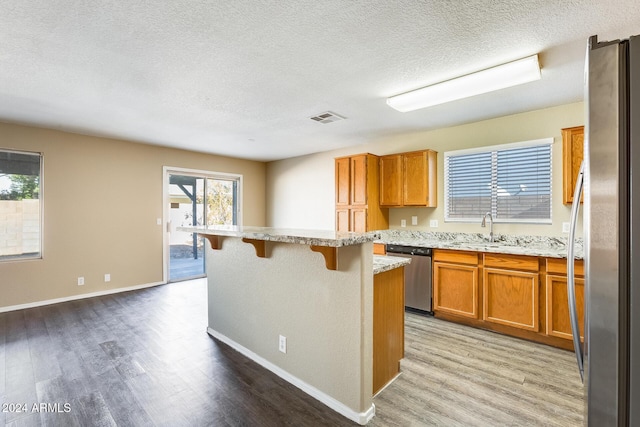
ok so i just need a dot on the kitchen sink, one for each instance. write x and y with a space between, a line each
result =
484 245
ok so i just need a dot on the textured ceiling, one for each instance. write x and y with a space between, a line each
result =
241 78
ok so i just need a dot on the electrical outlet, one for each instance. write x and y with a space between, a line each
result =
282 344
403 223
80 281
159 221
107 277
414 220
433 223
565 227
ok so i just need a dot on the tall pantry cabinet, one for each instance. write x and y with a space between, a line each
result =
357 194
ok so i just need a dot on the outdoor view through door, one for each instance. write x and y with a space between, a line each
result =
196 199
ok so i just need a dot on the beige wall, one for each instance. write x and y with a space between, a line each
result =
326 316
101 200
301 190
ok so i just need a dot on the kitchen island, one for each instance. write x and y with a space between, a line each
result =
301 304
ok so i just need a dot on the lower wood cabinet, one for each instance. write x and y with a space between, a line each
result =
455 289
379 249
517 295
557 307
388 326
511 298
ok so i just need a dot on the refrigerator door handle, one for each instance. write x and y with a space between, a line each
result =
571 289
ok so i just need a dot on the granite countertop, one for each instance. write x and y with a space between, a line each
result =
543 246
382 263
287 235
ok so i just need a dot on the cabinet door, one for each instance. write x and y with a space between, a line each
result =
572 154
343 184
558 323
358 220
511 298
359 180
415 179
388 326
391 180
455 289
342 219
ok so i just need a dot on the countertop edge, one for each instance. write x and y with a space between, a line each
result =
303 237
484 248
383 263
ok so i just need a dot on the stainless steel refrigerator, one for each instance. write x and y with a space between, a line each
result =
610 356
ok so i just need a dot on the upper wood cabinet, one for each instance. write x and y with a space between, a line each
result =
360 182
409 179
572 154
343 182
390 180
357 205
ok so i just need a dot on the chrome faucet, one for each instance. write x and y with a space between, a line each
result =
484 224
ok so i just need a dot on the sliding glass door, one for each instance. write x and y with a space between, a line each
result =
195 198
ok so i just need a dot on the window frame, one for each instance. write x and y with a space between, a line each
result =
41 191
493 149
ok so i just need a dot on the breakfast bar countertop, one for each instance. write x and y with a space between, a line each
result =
287 235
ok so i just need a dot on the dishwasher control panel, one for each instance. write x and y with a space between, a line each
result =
408 250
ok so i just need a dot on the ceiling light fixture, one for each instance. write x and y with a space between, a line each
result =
524 70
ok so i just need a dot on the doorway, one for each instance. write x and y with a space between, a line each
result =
195 198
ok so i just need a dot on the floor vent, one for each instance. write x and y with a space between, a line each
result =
327 117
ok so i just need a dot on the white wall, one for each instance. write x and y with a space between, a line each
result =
301 193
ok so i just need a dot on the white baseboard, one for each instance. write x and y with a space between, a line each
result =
361 418
77 297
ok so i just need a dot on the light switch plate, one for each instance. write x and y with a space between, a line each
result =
565 227
403 223
414 220
433 223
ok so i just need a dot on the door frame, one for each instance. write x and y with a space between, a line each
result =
168 170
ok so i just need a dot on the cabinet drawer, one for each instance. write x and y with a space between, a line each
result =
379 249
559 266
458 257
516 262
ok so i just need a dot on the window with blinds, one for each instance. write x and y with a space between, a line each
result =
512 181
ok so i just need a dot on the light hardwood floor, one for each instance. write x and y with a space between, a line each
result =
143 358
454 375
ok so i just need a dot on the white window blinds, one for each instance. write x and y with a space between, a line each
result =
512 181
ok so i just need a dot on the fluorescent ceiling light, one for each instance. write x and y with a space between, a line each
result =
511 74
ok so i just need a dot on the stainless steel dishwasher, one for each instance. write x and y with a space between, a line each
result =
417 277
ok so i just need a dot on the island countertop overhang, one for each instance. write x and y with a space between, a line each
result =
328 238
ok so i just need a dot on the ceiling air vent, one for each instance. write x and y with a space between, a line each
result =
327 117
